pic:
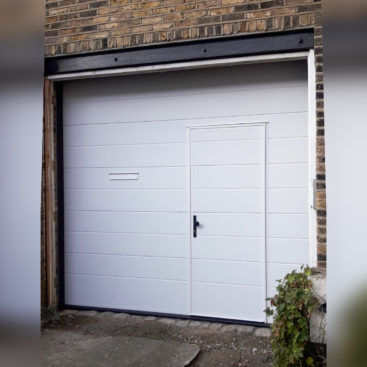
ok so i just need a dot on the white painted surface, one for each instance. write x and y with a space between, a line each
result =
21 119
127 242
229 213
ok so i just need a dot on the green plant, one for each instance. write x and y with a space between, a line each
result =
291 309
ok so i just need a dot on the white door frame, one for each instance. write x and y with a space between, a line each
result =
281 57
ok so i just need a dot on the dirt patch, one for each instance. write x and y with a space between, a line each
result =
219 345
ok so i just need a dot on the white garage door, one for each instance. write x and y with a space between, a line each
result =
145 154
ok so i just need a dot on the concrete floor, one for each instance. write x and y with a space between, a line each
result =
90 338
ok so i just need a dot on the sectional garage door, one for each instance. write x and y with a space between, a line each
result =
145 155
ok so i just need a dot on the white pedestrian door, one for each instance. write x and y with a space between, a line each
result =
228 221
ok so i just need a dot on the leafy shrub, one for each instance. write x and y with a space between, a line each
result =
291 309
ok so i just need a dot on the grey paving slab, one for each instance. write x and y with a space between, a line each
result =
245 329
61 348
262 332
120 315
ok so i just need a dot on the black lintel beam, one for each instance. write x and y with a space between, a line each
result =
264 43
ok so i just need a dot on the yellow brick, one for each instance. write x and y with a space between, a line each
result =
151 20
232 2
78 37
141 28
219 11
98 35
196 14
98 20
104 27
104 11
160 26
120 31
150 4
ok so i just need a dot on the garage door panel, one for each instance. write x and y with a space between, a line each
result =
229 177
225 224
132 244
288 201
127 266
126 200
126 156
288 225
148 178
284 250
162 85
150 295
218 134
228 301
288 150
287 175
250 102
117 222
290 125
229 272
230 201
228 152
228 248
125 133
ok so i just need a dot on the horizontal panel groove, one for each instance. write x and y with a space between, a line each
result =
134 233
125 277
228 165
288 137
125 255
289 238
126 211
231 284
228 260
224 140
225 236
125 167
124 189
287 188
120 145
188 119
227 189
223 212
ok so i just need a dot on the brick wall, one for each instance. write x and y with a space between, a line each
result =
74 26
78 26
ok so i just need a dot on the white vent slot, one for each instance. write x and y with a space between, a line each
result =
116 176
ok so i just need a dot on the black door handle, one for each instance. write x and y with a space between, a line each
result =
195 224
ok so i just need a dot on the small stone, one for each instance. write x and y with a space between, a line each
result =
167 321
87 313
245 329
120 315
182 323
150 318
254 350
263 332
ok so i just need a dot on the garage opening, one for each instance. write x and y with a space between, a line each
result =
186 193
